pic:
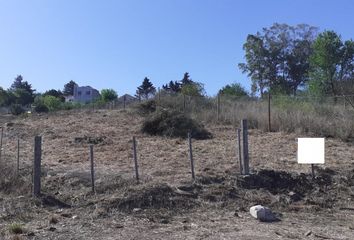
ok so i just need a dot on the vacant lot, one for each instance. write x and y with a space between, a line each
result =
167 204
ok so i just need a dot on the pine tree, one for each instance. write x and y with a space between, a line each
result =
69 88
146 89
22 91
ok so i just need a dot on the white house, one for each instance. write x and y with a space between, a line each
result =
84 94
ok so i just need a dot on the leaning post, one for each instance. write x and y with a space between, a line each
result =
245 156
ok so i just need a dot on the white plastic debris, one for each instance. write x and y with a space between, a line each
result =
262 213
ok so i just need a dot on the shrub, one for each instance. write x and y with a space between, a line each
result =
108 95
173 124
52 103
67 106
41 108
16 109
16 228
146 107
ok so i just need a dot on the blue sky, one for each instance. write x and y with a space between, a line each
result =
116 43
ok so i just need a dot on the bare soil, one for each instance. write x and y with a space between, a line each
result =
167 204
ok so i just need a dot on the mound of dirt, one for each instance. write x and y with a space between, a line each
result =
276 181
173 124
153 197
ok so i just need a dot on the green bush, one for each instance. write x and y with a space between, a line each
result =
52 103
146 107
68 106
108 95
173 124
41 108
16 109
16 228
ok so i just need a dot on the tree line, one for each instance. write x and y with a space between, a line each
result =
281 59
289 60
21 95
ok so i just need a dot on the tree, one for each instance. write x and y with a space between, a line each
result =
20 84
234 89
23 97
332 63
146 89
108 95
4 97
55 93
186 86
69 88
278 57
193 89
186 79
52 103
22 91
172 87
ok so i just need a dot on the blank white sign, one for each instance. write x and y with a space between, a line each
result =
311 150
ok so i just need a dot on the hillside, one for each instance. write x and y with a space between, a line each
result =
167 204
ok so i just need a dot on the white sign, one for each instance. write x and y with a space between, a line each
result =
311 150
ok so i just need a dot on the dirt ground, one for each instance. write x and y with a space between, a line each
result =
167 204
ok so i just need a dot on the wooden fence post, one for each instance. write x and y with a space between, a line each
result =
218 107
124 101
92 169
18 156
313 171
269 122
245 158
184 103
37 166
159 95
239 148
1 136
191 154
135 160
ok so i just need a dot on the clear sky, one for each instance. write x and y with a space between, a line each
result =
116 43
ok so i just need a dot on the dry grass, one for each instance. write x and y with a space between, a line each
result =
162 162
290 115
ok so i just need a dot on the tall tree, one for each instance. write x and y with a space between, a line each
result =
108 95
69 88
186 85
146 89
190 87
332 63
22 91
172 87
55 93
234 89
278 57
20 84
186 79
4 97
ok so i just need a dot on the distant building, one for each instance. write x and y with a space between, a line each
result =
128 98
84 94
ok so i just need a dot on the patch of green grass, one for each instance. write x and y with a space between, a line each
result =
16 228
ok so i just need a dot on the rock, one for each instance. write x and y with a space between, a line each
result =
10 124
52 229
263 214
308 233
294 196
164 221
